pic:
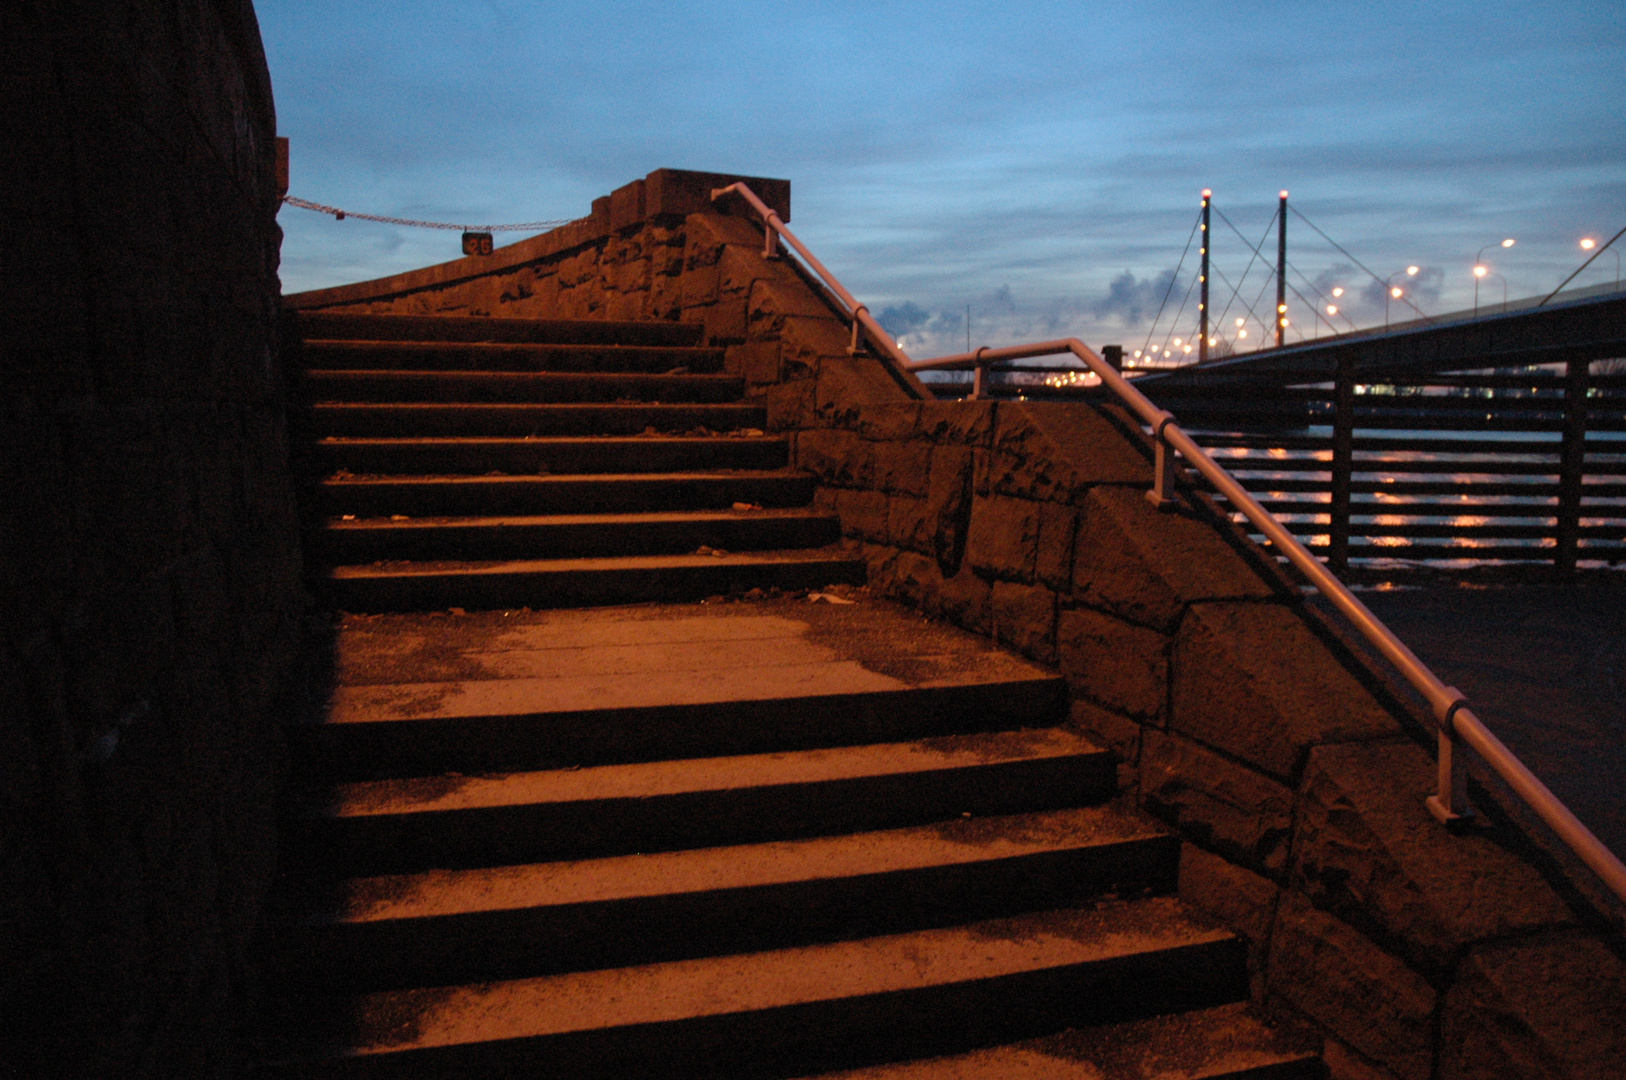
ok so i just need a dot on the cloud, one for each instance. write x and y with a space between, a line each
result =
1131 301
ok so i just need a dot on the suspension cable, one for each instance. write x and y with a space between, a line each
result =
340 215
1406 299
1176 276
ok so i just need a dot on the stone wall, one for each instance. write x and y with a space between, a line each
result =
1294 772
149 562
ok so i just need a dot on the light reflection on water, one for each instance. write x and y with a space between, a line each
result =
1468 466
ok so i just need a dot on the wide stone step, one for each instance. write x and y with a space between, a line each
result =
371 327
446 926
553 690
516 387
814 1007
563 583
393 826
476 457
541 420
573 536
461 496
1226 1042
493 356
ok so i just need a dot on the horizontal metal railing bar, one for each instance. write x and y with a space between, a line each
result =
1448 466
1450 708
1413 488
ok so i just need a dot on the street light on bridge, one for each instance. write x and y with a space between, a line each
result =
1393 291
1588 244
1480 270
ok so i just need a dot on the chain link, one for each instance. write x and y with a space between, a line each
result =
340 215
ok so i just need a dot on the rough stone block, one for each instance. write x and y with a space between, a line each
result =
699 285
1549 1008
790 405
1149 564
1238 898
1253 680
1003 537
1058 532
1025 618
910 577
771 302
725 320
1118 664
1368 998
863 514
809 341
758 361
965 599
708 234
1117 733
909 524
903 466
1225 807
968 423
1369 851
949 502
889 421
1091 444
848 384
836 456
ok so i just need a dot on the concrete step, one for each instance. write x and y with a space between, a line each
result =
1226 1042
593 582
439 927
370 327
557 689
394 826
516 387
825 1006
461 496
477 457
575 536
518 420
491 356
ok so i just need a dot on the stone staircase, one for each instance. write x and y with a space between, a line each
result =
482 463
771 838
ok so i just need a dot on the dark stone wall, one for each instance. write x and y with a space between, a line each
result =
149 560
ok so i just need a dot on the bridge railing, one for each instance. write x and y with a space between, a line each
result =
1456 723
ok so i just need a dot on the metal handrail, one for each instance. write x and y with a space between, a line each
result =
1455 721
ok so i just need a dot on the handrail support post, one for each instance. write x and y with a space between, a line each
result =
1162 467
1449 804
854 348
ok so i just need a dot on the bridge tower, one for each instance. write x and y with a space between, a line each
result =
1202 281
1281 272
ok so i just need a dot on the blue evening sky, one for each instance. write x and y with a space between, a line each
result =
1041 162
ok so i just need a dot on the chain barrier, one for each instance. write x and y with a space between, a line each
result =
340 215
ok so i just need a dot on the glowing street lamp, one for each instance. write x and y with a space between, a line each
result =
1588 244
1480 269
1393 291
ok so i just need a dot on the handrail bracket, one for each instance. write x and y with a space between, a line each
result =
1449 804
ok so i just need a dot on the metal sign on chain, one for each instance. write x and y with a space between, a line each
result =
477 243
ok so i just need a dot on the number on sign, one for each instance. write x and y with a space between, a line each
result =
477 243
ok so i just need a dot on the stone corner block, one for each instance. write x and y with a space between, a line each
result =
1368 850
1121 665
1252 680
1150 564
1369 999
1551 1007
1225 807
